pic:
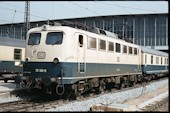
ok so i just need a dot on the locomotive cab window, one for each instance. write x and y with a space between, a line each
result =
81 40
34 38
17 54
54 38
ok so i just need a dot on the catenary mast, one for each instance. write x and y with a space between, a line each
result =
26 18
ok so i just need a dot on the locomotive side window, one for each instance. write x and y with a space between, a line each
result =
130 50
111 46
118 48
80 40
124 49
54 38
135 51
17 54
34 38
91 43
102 44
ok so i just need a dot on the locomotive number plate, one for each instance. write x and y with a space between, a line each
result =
41 55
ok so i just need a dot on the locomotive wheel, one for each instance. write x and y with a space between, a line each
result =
72 95
122 85
131 83
5 80
102 85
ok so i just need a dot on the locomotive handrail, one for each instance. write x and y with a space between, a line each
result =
60 85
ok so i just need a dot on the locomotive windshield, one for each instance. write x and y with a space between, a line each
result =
54 38
34 39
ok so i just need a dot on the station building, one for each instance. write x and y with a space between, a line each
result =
149 30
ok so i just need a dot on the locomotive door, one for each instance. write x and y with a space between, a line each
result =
81 53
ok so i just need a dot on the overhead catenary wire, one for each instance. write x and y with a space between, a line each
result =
126 7
70 9
17 11
12 23
85 8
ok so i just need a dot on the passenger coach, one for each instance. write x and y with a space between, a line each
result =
154 63
12 55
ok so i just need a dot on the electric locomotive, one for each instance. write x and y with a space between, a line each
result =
70 61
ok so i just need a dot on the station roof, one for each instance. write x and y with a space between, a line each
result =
113 15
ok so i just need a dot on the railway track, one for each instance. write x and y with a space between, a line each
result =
41 104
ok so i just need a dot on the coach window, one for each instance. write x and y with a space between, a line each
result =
124 49
161 60
91 43
151 59
34 38
135 51
54 38
130 50
17 54
157 60
81 40
165 61
111 46
118 48
145 59
102 44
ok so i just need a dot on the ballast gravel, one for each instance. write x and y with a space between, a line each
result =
110 98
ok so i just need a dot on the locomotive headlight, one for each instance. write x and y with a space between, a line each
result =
44 28
56 60
27 59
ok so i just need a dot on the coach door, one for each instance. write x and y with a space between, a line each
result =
81 52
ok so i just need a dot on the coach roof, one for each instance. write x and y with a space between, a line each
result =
153 51
12 42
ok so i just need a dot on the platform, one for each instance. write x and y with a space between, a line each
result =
7 88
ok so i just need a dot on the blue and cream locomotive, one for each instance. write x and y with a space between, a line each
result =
67 60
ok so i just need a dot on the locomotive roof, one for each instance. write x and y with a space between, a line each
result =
153 51
5 41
